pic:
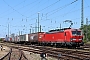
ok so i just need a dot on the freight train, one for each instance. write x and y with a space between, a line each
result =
57 37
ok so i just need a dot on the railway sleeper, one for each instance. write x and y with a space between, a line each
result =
74 56
56 56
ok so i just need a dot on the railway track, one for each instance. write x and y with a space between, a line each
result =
61 53
85 47
17 55
65 53
14 54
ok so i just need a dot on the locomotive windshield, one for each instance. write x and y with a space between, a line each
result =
76 32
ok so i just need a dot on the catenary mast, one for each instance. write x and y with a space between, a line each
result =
82 16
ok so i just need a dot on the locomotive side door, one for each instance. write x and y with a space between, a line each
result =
65 36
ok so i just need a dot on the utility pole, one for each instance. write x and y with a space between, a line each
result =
60 26
21 32
30 31
40 28
87 21
38 21
86 29
82 15
8 30
36 26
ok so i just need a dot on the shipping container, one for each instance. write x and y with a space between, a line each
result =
33 37
23 37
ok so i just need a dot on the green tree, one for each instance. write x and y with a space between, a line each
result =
86 32
0 39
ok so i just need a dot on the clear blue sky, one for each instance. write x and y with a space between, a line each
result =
21 15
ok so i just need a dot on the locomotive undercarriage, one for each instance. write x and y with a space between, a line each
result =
61 44
74 44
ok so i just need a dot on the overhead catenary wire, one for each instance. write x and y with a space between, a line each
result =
14 10
57 16
73 11
68 4
50 13
51 4
44 8
58 9
21 8
14 6
62 8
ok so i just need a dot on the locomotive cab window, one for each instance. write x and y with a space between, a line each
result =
76 32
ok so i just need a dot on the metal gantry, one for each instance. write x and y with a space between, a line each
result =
87 28
82 14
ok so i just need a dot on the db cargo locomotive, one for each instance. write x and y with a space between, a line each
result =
58 37
62 37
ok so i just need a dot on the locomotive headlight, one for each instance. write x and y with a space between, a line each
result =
72 39
80 39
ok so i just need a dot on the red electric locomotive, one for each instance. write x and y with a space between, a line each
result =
62 37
